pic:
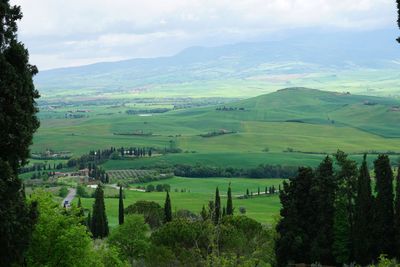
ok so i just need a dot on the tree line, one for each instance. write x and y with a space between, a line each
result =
331 215
261 171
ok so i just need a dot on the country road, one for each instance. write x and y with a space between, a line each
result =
69 197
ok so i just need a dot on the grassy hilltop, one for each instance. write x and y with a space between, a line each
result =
275 128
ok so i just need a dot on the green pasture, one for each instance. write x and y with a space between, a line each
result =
264 208
298 120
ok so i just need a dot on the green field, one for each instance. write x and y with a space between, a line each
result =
301 121
262 208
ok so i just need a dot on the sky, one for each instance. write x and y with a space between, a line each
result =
63 33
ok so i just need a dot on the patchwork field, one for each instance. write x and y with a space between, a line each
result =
289 127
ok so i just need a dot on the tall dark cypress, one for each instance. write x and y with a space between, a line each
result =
363 226
81 211
293 244
397 213
229 204
346 176
323 198
18 122
398 17
384 211
121 207
217 207
167 209
99 226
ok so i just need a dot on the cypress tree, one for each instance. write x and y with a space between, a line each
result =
323 198
18 122
384 211
223 211
167 209
293 243
121 207
363 240
397 213
229 204
346 178
81 211
89 222
204 214
99 226
217 207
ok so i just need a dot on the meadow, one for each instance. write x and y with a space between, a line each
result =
263 208
289 127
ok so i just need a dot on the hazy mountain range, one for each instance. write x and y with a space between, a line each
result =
297 56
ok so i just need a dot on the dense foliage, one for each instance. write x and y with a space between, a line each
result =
18 122
333 218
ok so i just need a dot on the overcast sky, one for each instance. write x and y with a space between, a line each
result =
60 33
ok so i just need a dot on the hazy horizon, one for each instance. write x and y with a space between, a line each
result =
74 33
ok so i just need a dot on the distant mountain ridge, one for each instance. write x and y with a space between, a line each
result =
292 56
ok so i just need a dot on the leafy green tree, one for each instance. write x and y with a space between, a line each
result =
59 239
152 212
323 198
217 208
131 238
63 192
229 204
18 122
181 243
99 224
167 209
363 226
293 243
397 213
81 191
121 207
384 210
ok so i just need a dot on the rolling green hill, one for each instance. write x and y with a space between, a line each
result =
283 127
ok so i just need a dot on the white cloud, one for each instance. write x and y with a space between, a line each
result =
76 31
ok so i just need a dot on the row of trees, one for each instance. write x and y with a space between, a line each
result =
332 216
261 171
213 238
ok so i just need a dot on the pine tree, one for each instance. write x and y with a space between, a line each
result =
217 208
384 211
18 122
397 213
363 240
229 204
99 226
167 209
121 207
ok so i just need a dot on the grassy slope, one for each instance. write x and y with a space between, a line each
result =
262 208
356 128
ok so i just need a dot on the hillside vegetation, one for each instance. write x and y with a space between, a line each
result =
275 128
